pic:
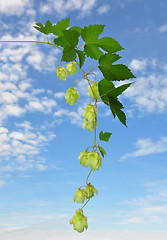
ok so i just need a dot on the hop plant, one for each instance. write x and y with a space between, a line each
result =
61 73
90 191
79 221
71 96
84 158
71 68
89 114
79 196
94 160
93 91
67 41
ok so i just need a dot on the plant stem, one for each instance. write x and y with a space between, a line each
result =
85 76
27 41
95 125
88 176
77 82
80 46
85 203
92 69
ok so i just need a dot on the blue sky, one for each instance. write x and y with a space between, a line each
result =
41 136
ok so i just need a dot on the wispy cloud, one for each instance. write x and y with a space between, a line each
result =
2 183
24 147
75 117
44 232
103 9
148 92
15 7
146 146
163 28
84 7
15 85
148 209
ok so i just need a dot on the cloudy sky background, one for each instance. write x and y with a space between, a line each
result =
41 136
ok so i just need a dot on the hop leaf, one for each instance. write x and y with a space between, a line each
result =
61 73
71 96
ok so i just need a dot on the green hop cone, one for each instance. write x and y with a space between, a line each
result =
89 114
71 68
71 96
79 196
61 73
79 221
90 191
89 125
84 158
94 160
93 91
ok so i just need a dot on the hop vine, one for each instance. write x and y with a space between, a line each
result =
104 50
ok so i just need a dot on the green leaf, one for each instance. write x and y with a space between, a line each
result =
108 90
60 41
116 72
104 136
92 51
69 40
60 27
108 59
109 44
81 56
44 29
69 54
102 151
71 36
77 29
118 91
65 39
90 35
105 87
116 107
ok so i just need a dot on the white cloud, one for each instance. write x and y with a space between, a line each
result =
64 7
23 147
103 9
13 110
38 60
44 232
17 95
14 7
75 117
163 28
43 105
142 64
59 95
2 183
148 209
146 146
148 92
138 65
